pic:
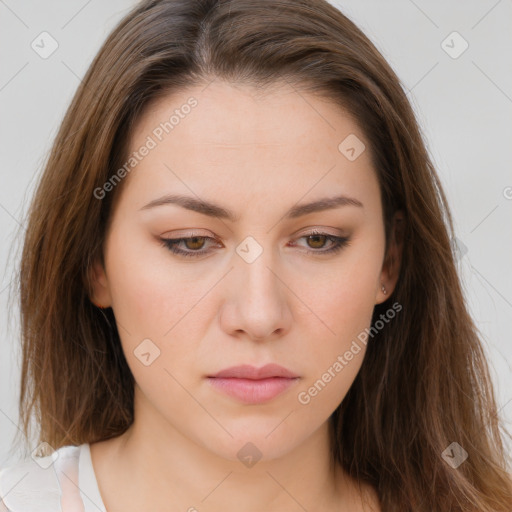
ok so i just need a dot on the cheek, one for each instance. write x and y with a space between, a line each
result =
149 294
343 299
336 356
139 294
341 305
340 349
153 300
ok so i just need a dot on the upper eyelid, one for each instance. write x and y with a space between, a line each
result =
214 241
308 232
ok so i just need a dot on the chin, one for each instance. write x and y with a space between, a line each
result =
251 443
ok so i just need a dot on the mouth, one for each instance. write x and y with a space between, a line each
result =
252 385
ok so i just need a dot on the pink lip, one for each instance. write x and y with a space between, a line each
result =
253 385
247 371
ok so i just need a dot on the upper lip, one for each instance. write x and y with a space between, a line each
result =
247 371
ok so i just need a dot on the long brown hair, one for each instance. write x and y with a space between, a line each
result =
424 383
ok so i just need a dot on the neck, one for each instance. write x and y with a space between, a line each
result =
153 465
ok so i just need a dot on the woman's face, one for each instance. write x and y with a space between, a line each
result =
245 291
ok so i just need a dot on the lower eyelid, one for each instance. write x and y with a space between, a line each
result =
337 244
176 241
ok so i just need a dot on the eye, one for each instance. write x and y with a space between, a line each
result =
193 246
194 243
318 240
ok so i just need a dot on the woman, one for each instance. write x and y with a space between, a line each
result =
237 287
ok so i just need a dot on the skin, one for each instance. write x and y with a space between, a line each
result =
258 155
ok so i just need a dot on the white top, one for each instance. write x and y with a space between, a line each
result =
61 482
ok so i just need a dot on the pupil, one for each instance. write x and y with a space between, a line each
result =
317 237
193 241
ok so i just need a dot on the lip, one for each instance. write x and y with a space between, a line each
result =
246 371
253 385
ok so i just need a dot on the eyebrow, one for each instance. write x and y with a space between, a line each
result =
214 210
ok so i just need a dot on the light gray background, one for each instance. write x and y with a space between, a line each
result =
464 106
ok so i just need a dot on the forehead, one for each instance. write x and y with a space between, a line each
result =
227 113
222 137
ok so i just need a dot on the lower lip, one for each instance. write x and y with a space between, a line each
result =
252 391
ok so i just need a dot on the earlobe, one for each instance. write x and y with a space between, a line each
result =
99 292
392 260
382 292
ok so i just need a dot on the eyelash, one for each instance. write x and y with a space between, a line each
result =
339 243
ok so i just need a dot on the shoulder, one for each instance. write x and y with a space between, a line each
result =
33 484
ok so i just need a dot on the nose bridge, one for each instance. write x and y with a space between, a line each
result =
256 268
259 291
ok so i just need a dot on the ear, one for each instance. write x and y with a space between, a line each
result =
393 259
99 291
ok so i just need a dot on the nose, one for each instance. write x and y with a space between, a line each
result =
257 300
